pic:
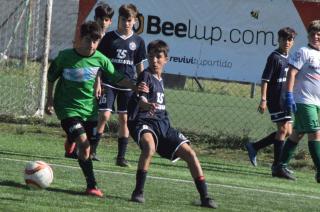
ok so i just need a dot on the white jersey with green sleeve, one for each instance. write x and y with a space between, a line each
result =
76 74
307 83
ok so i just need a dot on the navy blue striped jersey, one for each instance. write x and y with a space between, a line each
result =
124 53
275 73
155 95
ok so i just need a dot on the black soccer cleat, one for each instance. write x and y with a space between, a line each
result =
94 157
72 155
281 172
122 162
208 203
137 197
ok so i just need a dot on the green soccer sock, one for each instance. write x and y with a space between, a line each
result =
288 151
314 148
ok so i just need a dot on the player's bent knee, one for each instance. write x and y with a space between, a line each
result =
186 153
83 150
148 151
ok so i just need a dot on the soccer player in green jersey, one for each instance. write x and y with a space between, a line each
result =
74 100
303 98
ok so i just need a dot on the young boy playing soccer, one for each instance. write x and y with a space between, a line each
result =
127 53
103 14
272 95
149 126
74 101
303 98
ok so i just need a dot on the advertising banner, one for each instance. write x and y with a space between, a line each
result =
220 39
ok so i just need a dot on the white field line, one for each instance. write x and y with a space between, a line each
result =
184 181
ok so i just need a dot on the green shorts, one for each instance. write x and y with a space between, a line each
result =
306 118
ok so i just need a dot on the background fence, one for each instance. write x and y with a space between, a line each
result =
198 105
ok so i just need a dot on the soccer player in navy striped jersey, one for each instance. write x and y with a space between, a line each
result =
127 52
272 95
150 127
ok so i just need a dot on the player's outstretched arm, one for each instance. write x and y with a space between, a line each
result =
142 87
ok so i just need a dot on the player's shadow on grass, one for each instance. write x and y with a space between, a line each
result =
26 155
14 184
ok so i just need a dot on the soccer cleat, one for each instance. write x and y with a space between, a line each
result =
281 172
122 162
94 192
252 153
287 169
137 197
70 150
208 203
317 177
69 147
94 157
73 155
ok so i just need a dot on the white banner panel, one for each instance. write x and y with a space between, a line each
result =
221 39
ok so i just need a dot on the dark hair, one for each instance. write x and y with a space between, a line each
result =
128 10
103 10
314 26
92 29
158 46
287 33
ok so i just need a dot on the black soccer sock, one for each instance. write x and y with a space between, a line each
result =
266 141
122 147
141 177
278 145
201 186
314 148
94 142
288 151
87 169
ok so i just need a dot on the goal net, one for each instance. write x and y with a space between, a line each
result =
24 50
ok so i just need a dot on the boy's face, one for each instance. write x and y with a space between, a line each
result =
104 23
88 45
157 60
125 25
314 39
285 44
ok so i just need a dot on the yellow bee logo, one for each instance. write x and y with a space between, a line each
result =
255 14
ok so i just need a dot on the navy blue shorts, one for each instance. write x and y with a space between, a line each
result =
107 100
277 113
167 139
75 126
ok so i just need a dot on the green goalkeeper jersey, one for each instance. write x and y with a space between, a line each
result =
74 91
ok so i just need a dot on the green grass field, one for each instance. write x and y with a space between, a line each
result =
234 183
222 106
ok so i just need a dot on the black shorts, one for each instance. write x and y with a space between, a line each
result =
107 100
167 139
75 126
277 113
